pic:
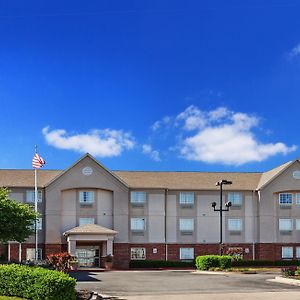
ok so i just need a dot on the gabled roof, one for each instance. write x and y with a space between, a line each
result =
97 162
90 229
189 180
25 178
269 176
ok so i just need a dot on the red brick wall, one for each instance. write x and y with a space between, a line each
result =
121 253
54 248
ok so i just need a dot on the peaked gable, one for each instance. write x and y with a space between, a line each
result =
86 157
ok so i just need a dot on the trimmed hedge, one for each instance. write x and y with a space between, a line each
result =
36 283
160 264
205 262
265 263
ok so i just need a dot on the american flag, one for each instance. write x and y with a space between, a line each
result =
37 161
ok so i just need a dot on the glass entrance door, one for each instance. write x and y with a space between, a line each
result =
88 256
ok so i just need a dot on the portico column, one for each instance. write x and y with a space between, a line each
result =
110 247
71 247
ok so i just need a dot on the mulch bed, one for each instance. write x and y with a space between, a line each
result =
83 295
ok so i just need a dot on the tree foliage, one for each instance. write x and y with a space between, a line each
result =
16 219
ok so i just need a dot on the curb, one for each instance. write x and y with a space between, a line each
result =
284 280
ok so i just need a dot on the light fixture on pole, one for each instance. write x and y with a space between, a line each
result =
220 183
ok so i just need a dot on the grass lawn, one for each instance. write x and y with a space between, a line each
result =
10 298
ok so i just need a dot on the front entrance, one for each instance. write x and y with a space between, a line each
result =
88 256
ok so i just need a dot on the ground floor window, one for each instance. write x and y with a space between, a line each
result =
186 253
297 252
138 253
287 252
30 254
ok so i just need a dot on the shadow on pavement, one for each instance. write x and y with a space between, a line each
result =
84 276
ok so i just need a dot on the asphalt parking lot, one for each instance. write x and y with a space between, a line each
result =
184 284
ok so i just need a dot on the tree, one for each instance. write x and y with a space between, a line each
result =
16 219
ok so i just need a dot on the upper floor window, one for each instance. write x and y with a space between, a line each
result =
137 224
186 198
86 197
235 198
30 196
186 224
85 221
285 199
186 253
235 224
297 198
285 224
39 224
138 198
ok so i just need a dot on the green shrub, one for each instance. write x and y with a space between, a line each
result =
160 264
265 263
209 262
225 261
35 283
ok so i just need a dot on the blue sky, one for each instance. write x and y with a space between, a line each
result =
150 85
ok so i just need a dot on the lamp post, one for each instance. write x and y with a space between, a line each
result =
221 209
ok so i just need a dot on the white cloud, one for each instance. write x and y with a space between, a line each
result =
295 51
101 143
154 154
192 117
158 124
231 143
220 136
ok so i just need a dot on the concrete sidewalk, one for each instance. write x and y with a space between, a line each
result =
231 296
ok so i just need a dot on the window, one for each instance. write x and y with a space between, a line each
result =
297 252
285 199
285 224
84 221
186 253
235 225
235 198
138 253
287 252
137 224
297 196
186 224
138 198
297 224
30 196
86 197
186 198
39 224
30 254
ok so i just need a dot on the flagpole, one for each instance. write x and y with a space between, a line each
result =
35 209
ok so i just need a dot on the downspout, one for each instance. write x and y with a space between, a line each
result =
166 245
254 227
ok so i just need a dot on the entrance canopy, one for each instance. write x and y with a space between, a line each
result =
91 233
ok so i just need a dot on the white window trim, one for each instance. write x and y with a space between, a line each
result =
192 221
231 228
181 250
283 256
285 204
281 227
142 251
137 200
86 223
183 198
297 252
31 198
32 250
81 197
234 194
297 198
137 229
